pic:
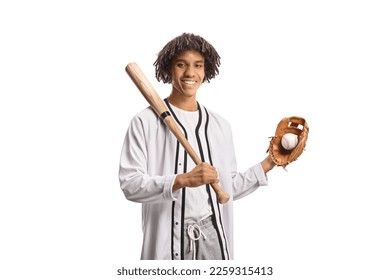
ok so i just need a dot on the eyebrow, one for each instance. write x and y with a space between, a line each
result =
183 60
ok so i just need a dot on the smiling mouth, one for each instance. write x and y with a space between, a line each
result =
188 82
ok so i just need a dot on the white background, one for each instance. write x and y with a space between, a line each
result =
66 102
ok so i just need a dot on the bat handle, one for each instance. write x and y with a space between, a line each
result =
222 196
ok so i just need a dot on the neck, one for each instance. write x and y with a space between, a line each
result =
187 104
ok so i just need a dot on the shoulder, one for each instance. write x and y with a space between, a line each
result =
146 113
144 116
143 120
218 123
220 129
217 119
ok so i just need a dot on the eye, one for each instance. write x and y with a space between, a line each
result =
180 64
199 65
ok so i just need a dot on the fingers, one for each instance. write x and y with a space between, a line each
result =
210 173
207 173
202 174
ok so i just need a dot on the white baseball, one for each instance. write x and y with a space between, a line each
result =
289 141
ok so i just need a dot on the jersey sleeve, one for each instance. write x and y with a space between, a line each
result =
135 182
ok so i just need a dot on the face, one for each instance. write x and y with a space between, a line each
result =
187 73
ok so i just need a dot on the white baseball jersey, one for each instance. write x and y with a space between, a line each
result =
150 159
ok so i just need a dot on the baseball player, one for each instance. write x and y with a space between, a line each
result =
181 217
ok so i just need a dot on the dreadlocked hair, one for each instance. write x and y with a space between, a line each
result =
184 42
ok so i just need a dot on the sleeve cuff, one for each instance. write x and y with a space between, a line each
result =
260 175
168 186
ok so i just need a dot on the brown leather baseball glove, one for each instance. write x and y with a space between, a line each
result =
295 125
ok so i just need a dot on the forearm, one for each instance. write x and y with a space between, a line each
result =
180 182
142 188
202 174
267 164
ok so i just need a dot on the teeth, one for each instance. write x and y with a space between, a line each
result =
189 82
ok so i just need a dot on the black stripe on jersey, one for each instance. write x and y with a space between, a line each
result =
208 185
219 209
173 202
183 189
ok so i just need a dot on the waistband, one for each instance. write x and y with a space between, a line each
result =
202 222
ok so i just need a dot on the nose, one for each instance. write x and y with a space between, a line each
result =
190 71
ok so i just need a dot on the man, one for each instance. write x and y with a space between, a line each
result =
182 218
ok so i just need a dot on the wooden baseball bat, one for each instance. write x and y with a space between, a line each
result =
147 90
